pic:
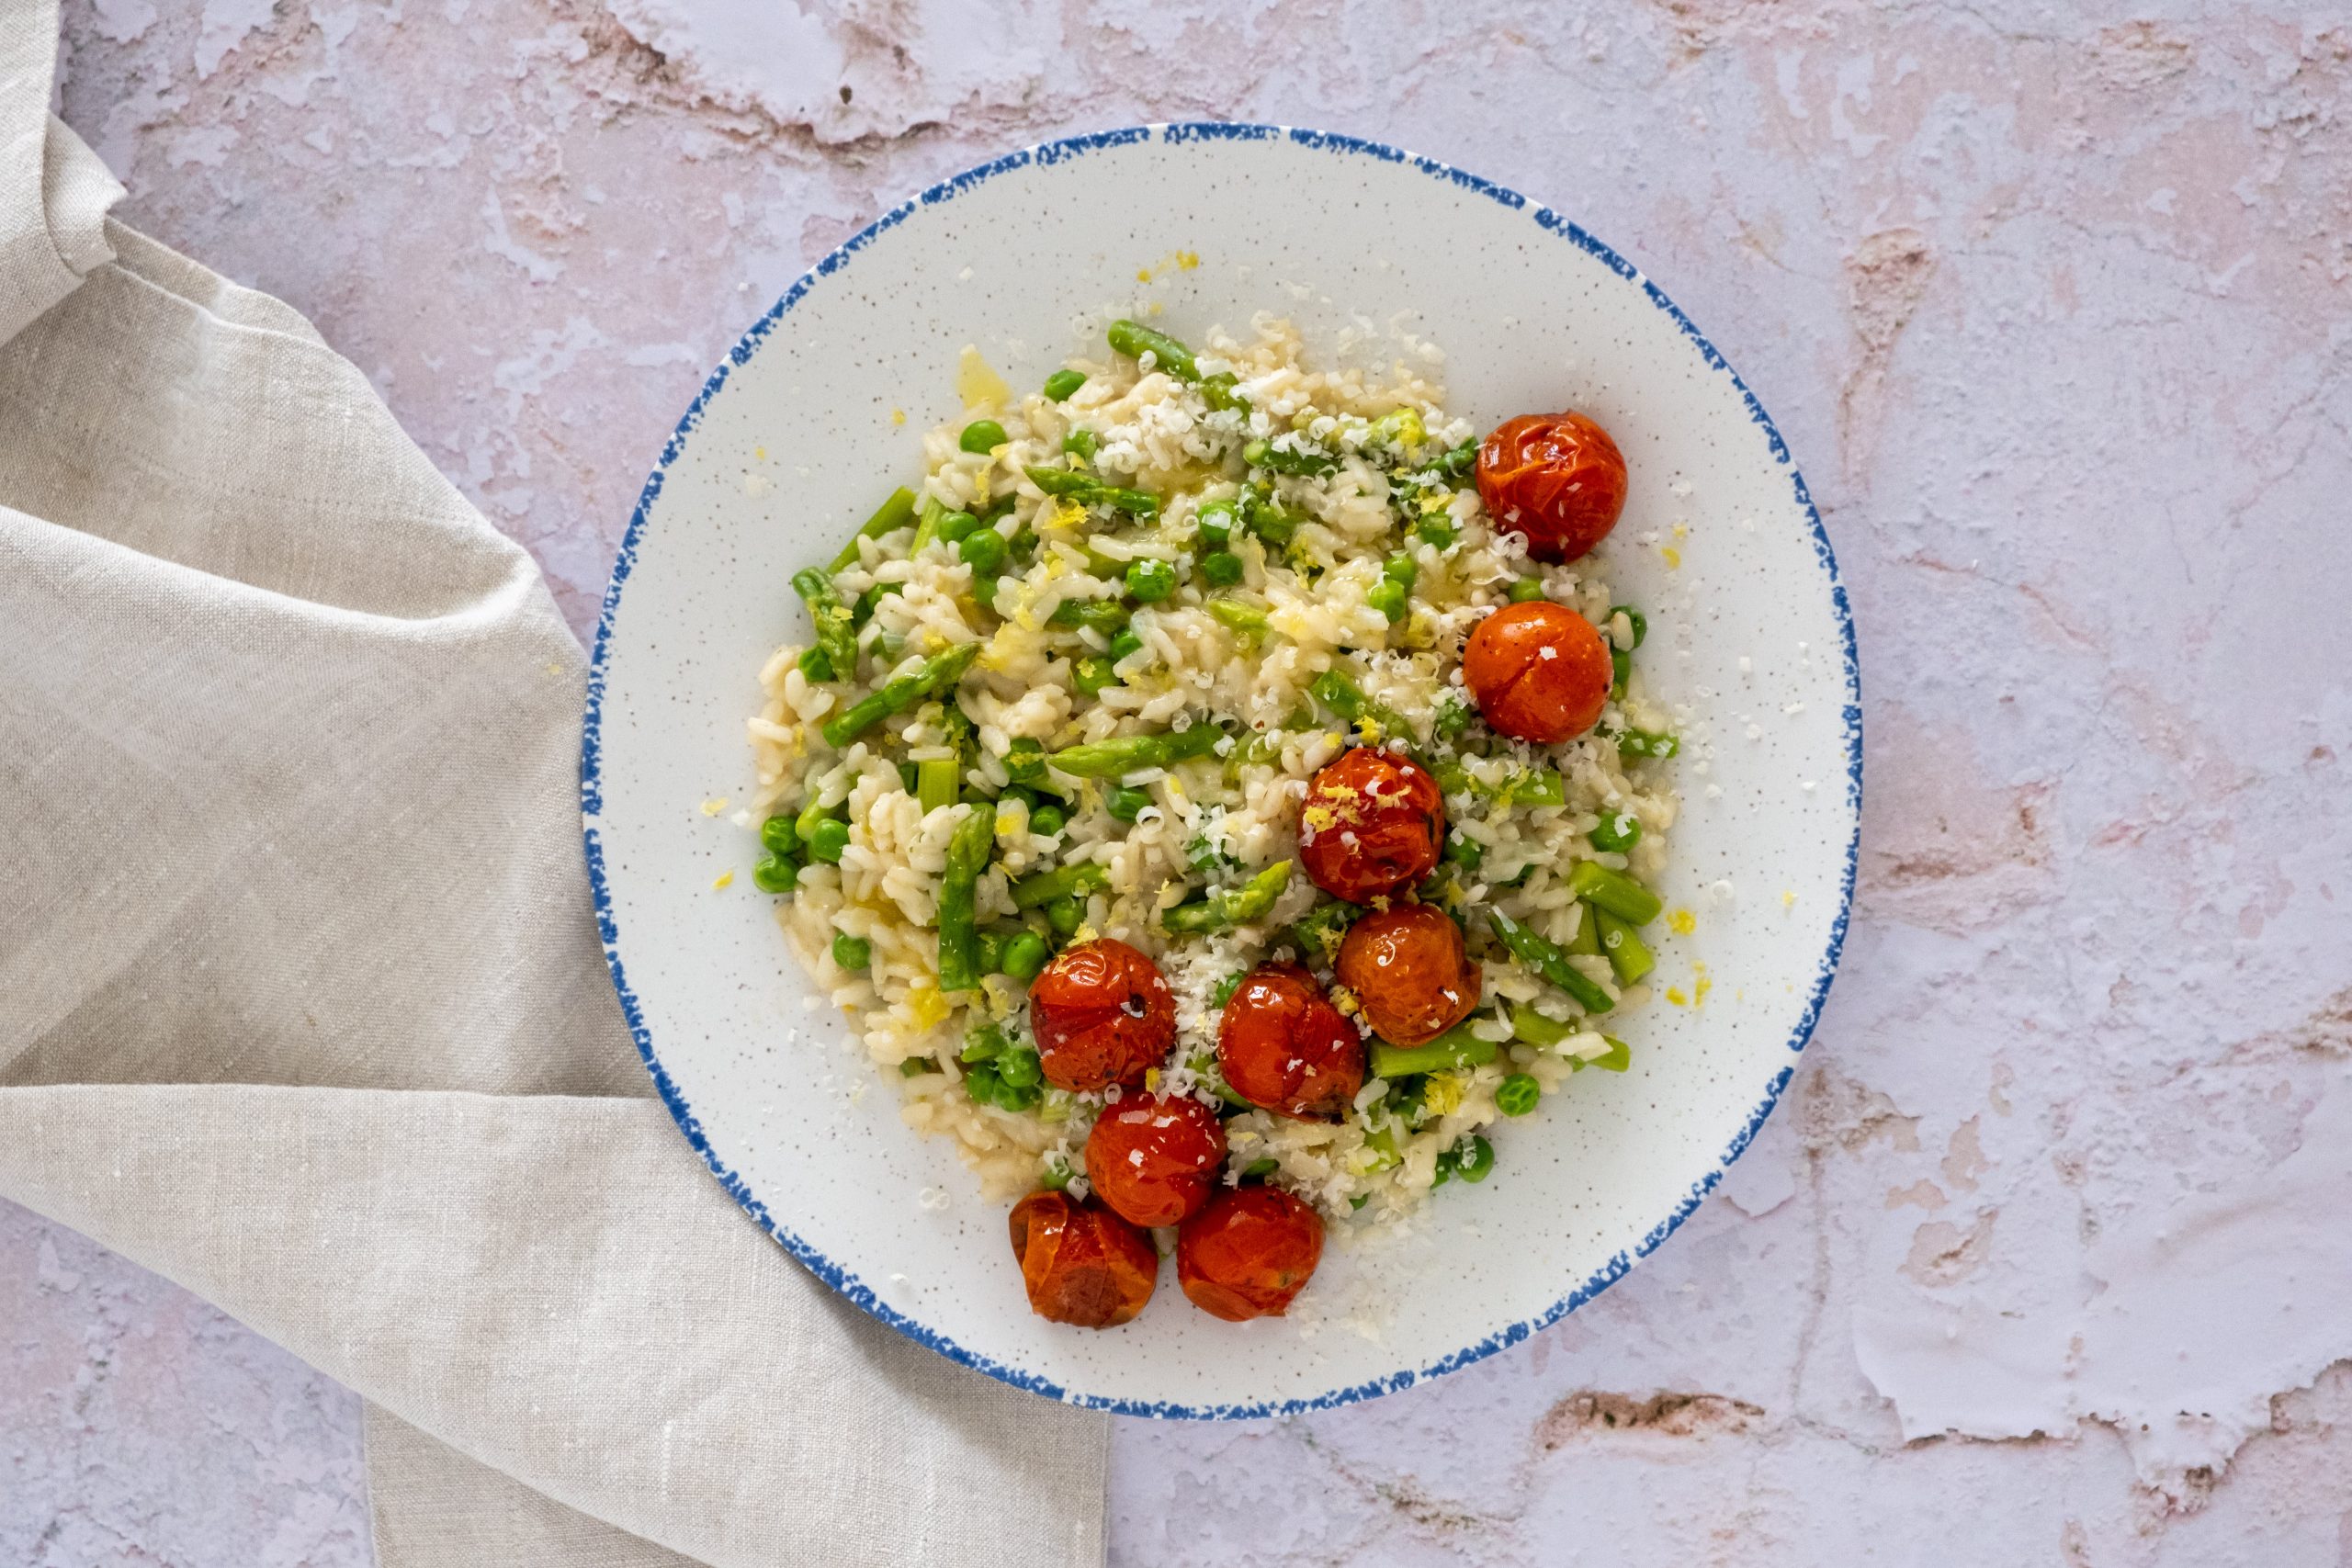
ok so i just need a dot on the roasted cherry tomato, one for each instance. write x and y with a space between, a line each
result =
1101 1014
1283 1046
1153 1157
1082 1263
1539 672
1373 823
1248 1253
1556 478
1409 972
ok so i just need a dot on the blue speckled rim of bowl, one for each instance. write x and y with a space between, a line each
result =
1045 155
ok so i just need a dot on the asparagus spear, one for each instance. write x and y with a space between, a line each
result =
1133 753
1628 954
959 931
1135 339
1454 1049
1614 893
1236 614
1533 1028
1105 615
1549 962
935 783
936 675
1075 880
836 634
1276 459
1233 906
894 515
1218 392
1087 491
1586 941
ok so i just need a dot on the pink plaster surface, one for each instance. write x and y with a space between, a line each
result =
2046 1260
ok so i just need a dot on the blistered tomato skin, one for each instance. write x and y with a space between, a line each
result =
1152 1158
1248 1253
1556 478
1373 822
1538 670
1081 1264
1283 1046
1102 1015
1409 972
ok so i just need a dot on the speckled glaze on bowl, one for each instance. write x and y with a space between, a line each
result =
795 438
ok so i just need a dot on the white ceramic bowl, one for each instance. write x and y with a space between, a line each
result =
1019 256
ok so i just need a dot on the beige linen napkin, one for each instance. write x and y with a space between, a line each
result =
300 1002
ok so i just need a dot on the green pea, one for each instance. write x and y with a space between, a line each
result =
1215 520
1093 674
775 874
1401 568
1062 383
1024 761
956 526
982 435
851 952
1025 955
1222 569
1065 915
1022 1069
1619 832
982 1083
817 664
915 1066
1465 852
1126 804
1047 821
830 838
1435 534
1387 596
1018 1096
984 1043
1080 444
1022 792
1150 581
1126 642
983 552
1474 1160
1261 1168
1639 622
1517 1095
1225 987
780 836
1526 590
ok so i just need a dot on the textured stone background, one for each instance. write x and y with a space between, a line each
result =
2047 1260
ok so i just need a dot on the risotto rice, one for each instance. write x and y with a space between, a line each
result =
1293 556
